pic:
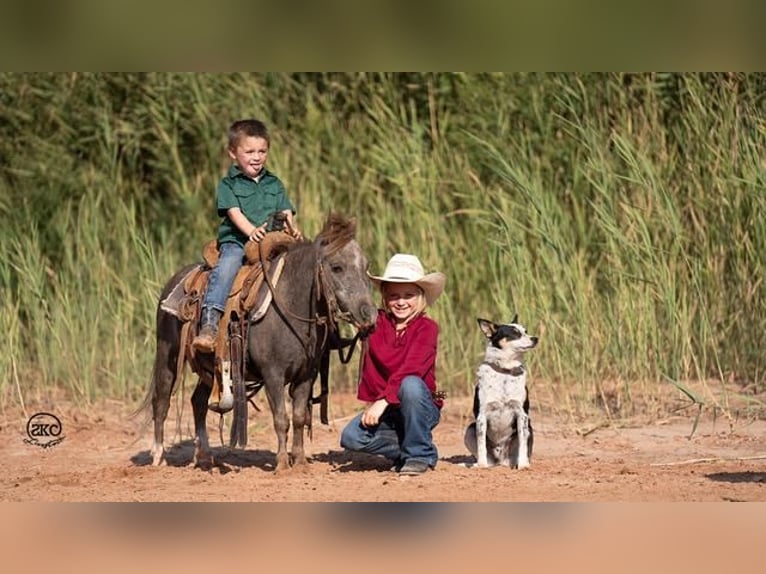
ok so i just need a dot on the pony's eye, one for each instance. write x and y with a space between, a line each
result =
337 268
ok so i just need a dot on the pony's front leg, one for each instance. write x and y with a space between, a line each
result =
276 397
202 455
301 414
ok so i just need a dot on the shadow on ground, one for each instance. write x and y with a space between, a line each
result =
182 454
347 461
738 477
462 459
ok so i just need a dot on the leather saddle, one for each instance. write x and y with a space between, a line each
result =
250 297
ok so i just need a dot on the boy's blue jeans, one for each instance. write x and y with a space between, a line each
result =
222 276
404 430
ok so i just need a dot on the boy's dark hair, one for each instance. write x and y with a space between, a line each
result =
247 128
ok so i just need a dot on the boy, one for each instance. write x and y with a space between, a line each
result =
247 197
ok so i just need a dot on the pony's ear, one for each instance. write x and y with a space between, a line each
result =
337 231
515 318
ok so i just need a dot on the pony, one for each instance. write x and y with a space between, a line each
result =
322 281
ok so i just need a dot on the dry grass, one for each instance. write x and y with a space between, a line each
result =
622 216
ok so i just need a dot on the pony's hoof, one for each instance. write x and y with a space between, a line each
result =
158 456
204 462
283 465
300 461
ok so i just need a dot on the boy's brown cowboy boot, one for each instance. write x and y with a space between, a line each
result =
205 339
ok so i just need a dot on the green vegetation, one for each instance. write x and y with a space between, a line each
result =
622 215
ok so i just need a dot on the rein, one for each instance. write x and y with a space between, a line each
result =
324 288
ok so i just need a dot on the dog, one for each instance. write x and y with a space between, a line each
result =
502 432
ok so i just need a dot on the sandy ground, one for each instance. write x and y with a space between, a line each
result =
104 456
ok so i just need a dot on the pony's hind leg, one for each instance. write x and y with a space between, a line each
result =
168 366
160 406
163 380
202 455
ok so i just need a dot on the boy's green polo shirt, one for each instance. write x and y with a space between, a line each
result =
257 200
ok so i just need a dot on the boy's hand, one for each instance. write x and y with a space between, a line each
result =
258 233
291 227
294 232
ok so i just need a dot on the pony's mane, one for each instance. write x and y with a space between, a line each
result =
337 232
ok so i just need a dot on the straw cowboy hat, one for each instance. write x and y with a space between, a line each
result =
405 268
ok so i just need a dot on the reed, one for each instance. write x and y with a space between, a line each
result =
621 215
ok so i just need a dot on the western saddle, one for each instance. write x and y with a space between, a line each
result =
250 296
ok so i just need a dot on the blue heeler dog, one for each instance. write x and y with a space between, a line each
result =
502 433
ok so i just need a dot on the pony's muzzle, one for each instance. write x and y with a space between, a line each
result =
369 314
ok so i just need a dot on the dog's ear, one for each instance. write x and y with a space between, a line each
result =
515 318
487 327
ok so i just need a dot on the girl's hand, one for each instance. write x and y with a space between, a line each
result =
371 415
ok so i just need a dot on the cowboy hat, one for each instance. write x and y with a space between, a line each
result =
405 268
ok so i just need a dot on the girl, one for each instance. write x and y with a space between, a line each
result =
398 379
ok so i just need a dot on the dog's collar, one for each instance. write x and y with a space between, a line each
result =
514 371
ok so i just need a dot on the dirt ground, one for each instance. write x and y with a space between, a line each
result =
104 456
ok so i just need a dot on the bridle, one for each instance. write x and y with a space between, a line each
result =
324 288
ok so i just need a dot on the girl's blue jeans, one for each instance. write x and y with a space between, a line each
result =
404 430
222 276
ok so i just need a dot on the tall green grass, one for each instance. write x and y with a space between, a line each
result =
622 216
